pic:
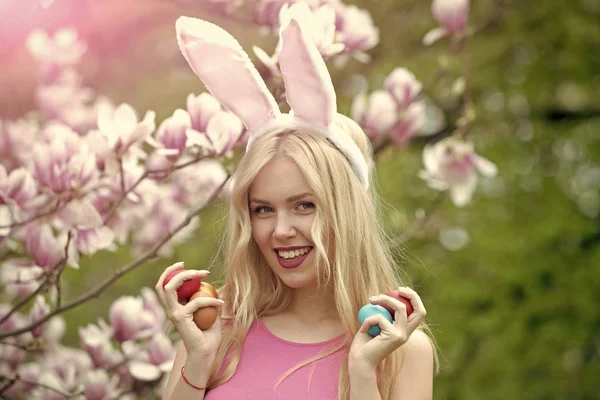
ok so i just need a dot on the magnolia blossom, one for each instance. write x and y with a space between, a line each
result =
18 186
356 30
451 15
409 122
403 86
317 24
166 215
201 108
172 133
16 140
98 385
266 12
20 278
131 320
149 361
375 113
96 341
451 164
121 126
62 162
62 370
39 310
62 48
222 132
193 186
45 248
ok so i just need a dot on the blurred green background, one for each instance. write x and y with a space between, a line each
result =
511 282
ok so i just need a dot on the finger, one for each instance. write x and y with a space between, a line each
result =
174 284
201 302
159 285
395 304
419 311
379 320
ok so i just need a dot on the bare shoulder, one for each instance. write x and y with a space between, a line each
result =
418 344
415 380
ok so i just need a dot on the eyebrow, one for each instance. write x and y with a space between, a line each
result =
289 199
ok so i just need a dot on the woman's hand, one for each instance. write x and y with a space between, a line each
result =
201 343
367 351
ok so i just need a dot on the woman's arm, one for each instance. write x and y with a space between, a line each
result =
177 388
415 381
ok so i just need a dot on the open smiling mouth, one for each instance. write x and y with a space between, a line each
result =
293 258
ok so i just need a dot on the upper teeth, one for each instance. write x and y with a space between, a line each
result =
293 253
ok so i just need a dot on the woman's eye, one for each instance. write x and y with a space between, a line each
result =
263 210
307 206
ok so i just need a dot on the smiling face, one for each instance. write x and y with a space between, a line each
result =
282 208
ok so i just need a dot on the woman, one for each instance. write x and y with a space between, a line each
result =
304 250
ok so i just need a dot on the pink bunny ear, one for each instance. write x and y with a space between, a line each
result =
226 71
308 87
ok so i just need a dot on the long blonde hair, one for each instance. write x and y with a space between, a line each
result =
359 264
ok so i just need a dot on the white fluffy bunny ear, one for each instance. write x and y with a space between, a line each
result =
226 71
308 87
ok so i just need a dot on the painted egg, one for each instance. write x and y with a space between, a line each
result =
187 288
369 310
205 317
395 294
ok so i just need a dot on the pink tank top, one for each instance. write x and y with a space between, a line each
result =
265 358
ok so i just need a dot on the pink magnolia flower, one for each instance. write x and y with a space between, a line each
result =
62 369
163 216
46 249
54 100
410 121
96 341
403 86
56 52
266 12
375 113
222 132
16 140
18 186
11 356
98 385
89 241
121 126
194 185
151 360
172 134
451 164
317 24
130 320
451 15
62 162
20 278
39 310
201 108
356 30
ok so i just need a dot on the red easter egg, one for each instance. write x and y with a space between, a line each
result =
187 288
396 295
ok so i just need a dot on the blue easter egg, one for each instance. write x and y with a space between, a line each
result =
370 309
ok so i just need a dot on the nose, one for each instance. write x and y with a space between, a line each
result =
284 227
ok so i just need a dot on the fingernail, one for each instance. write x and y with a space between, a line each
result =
203 271
220 301
373 297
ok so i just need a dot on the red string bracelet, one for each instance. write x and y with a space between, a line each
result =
188 382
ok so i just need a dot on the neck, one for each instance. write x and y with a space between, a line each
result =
312 304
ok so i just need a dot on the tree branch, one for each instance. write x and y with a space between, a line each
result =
98 289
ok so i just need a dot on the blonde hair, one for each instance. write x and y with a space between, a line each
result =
359 264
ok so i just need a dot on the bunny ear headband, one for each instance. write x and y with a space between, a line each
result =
229 75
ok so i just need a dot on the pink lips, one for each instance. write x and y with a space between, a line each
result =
292 264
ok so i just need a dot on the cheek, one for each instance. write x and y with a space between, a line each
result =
260 232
